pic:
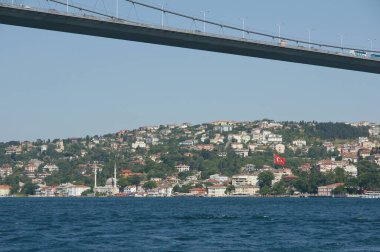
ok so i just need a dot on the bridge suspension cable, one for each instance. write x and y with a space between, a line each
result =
222 26
245 30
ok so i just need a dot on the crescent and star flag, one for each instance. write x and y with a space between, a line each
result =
279 160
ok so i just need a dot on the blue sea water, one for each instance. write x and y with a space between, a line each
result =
189 224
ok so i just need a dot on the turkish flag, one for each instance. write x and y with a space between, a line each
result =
279 160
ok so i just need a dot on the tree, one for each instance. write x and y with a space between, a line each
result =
230 188
339 190
265 190
149 185
279 188
134 180
29 188
87 192
122 182
183 175
265 179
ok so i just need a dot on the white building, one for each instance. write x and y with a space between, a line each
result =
110 187
242 152
182 168
273 138
60 146
279 173
138 144
216 191
76 190
50 168
219 177
280 148
299 143
351 169
247 190
245 180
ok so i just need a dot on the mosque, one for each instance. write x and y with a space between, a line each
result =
110 187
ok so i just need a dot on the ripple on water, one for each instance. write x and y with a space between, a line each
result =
181 224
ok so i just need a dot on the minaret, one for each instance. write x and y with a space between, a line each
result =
114 172
95 178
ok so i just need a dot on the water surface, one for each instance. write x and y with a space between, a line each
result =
189 224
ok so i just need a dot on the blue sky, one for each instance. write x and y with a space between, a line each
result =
56 85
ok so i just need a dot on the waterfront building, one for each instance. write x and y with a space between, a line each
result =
247 190
5 190
245 180
326 191
46 191
110 187
216 191
198 192
76 190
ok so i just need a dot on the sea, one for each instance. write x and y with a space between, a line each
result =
189 224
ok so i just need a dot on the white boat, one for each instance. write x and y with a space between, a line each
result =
371 195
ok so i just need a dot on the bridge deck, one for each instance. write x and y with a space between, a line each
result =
120 29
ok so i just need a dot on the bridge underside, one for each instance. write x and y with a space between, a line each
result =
178 38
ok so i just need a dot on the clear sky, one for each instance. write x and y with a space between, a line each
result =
55 85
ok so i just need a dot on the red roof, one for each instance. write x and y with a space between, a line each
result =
334 185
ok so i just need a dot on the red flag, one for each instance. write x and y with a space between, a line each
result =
279 160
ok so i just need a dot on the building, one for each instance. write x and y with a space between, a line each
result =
216 191
198 192
305 167
60 147
248 168
76 190
237 146
280 148
5 190
351 169
245 180
274 138
330 165
138 144
50 168
242 152
247 190
299 143
219 178
5 170
13 150
46 191
110 187
326 191
279 173
182 168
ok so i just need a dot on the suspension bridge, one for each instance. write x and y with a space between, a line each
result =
71 17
